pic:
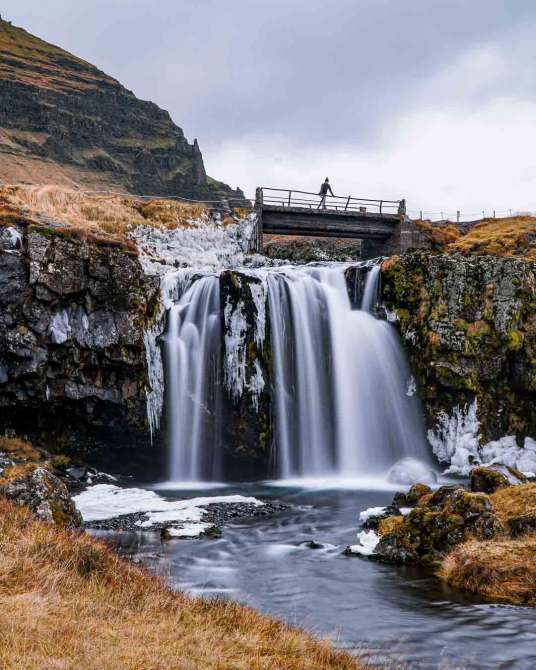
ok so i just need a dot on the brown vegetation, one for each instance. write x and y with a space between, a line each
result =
67 601
504 569
515 236
501 571
19 449
105 217
514 501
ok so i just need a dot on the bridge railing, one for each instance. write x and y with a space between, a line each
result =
279 197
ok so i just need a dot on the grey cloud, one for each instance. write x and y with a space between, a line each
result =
308 71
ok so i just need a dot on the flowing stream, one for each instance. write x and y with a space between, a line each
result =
339 388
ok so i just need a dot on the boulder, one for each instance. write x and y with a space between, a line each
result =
412 497
448 517
42 492
491 478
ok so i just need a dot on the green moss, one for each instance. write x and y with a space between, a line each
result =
514 340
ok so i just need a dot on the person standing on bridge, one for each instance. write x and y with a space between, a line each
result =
323 193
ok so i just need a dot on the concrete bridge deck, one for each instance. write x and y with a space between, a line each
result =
290 212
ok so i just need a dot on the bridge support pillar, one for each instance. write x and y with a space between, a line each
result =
405 236
258 241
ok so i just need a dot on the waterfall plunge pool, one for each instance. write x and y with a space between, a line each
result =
385 613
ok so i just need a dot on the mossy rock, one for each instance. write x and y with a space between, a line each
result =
36 487
491 478
412 497
448 517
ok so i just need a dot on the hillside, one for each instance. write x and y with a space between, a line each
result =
63 121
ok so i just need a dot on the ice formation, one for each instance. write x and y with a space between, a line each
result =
235 349
456 439
60 328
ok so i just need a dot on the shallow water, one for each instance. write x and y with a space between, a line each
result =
384 612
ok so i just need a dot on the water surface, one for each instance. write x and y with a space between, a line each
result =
384 612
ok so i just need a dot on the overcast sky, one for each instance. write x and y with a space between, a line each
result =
432 100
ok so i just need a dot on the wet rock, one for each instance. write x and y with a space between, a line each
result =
412 497
373 521
491 478
35 487
73 363
470 333
448 517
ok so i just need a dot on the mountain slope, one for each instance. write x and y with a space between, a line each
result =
64 121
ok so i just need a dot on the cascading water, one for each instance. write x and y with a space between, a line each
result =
338 384
192 355
340 379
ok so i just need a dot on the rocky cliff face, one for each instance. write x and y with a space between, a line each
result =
63 120
469 326
73 371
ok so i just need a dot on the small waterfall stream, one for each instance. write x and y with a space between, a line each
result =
192 355
338 385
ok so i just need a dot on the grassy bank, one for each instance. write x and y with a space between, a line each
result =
67 601
504 569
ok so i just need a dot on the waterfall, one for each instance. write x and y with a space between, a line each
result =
338 382
340 379
192 355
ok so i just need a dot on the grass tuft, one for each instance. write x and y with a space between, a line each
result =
67 601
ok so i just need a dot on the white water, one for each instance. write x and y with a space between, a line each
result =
339 381
193 384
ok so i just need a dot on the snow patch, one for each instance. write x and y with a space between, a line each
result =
412 387
370 512
368 541
60 328
15 238
107 501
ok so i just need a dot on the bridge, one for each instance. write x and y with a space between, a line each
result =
293 212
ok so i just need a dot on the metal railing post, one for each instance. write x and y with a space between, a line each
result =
289 197
347 203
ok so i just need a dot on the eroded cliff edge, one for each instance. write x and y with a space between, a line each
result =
469 328
73 313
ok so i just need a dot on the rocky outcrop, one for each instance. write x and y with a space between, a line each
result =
247 433
469 326
62 118
37 488
438 523
73 372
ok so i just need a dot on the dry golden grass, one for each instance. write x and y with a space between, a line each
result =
514 501
515 236
105 217
390 524
19 449
501 571
68 602
440 236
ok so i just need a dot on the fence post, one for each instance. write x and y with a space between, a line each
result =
420 215
289 197
347 203
381 203
457 216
